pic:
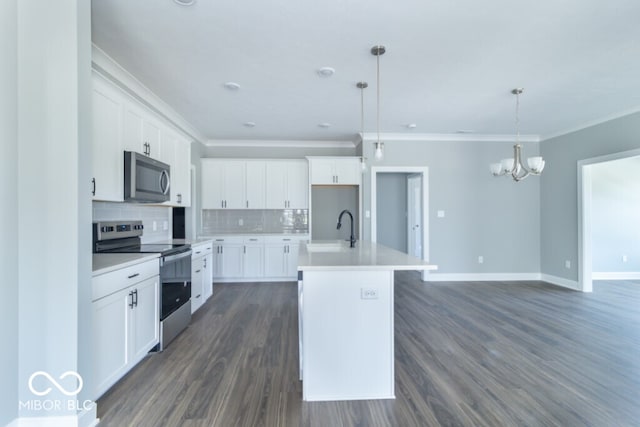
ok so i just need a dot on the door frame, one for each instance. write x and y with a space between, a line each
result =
585 205
424 172
410 206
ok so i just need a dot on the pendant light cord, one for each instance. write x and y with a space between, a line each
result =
362 112
378 94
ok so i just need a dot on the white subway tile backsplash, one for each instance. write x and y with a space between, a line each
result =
110 211
216 221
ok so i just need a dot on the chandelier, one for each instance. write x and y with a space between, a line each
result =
514 166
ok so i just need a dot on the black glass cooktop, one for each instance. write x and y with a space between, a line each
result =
162 248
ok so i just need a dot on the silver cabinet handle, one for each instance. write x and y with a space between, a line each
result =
205 263
179 196
133 275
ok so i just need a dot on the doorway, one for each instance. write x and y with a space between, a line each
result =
399 209
585 214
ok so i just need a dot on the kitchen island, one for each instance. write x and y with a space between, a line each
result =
345 303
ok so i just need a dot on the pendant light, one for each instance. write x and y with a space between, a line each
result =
513 167
362 86
379 146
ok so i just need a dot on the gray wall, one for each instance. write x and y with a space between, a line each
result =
391 211
8 212
493 217
615 215
326 204
559 192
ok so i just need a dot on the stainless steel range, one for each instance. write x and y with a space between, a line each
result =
175 271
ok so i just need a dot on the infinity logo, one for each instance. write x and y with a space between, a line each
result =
55 383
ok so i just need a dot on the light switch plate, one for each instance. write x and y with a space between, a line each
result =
440 214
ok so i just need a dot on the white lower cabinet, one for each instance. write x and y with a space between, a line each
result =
126 319
281 257
201 274
261 258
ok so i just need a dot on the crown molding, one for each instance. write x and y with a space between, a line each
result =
278 143
115 73
445 137
591 123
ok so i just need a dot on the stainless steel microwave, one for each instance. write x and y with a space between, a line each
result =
146 180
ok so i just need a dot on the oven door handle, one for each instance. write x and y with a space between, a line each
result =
170 258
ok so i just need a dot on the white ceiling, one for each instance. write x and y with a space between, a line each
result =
450 65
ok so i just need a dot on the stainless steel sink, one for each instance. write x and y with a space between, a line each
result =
330 246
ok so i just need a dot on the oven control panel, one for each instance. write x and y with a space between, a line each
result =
108 230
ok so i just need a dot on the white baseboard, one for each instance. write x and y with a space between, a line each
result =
561 281
87 418
480 277
616 275
259 280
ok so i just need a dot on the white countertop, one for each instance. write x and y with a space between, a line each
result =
105 263
365 256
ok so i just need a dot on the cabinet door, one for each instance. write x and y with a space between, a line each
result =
181 174
197 280
146 323
255 185
292 261
234 184
348 171
212 179
132 130
216 266
106 142
298 185
274 259
232 256
276 179
151 136
207 278
253 261
322 171
111 316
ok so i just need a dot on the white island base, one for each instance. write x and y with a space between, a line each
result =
346 321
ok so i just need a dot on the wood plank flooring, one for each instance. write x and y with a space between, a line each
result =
467 354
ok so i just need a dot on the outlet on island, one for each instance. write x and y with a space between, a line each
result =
368 293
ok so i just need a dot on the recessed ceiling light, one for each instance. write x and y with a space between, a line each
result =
465 131
324 125
185 2
411 126
249 124
232 85
326 72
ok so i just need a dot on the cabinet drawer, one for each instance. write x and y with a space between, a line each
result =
253 240
108 283
201 249
293 239
218 240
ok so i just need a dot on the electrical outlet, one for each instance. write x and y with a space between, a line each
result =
368 293
155 226
367 214
240 222
480 259
567 264
440 214
165 225
624 258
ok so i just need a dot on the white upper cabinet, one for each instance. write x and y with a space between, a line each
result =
223 184
106 141
141 131
120 123
255 184
176 152
335 170
287 184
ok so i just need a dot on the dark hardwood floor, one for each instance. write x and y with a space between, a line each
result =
467 354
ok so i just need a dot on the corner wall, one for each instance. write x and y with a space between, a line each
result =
559 187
